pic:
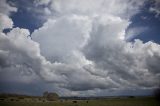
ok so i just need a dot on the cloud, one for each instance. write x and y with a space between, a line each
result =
126 63
15 54
5 8
123 8
91 7
41 2
155 8
81 49
5 22
66 34
89 47
134 32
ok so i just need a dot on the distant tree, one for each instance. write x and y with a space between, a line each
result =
157 94
50 96
131 97
45 94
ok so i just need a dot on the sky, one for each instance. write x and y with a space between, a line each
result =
80 47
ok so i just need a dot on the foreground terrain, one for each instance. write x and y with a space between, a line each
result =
139 101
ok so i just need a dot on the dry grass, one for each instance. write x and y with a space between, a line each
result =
103 102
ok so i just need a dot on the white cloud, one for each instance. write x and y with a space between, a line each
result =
126 63
65 34
81 49
15 55
89 47
5 8
94 7
5 22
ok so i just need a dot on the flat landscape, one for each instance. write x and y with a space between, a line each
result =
139 101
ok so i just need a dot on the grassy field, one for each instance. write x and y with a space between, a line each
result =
102 102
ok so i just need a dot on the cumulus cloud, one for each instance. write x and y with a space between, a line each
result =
81 48
5 8
74 28
96 35
16 62
5 22
126 63
15 54
94 7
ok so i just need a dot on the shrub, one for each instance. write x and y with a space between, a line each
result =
50 96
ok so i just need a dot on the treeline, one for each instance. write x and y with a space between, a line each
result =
6 95
47 96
